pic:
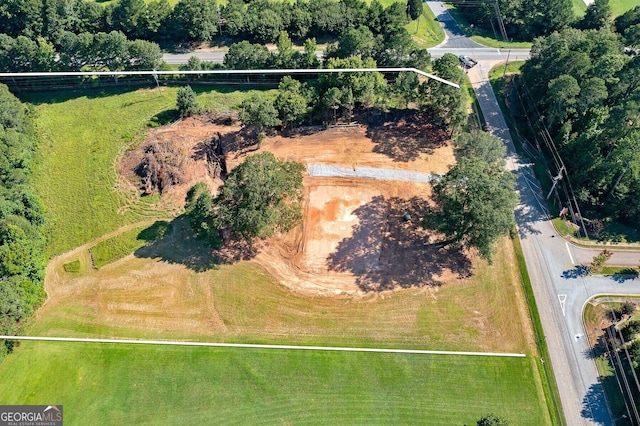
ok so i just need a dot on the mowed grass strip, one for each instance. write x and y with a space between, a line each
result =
122 245
82 135
132 384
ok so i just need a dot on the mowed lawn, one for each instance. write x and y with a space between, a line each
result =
132 384
81 136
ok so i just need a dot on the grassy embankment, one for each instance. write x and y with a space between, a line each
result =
482 36
481 313
618 7
112 249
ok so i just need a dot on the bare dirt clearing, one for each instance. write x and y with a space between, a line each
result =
353 237
351 146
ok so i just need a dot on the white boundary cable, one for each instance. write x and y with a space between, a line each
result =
256 346
204 72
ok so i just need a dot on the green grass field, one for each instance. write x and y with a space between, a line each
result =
618 7
81 137
126 384
579 7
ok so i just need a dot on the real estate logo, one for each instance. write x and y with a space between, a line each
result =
30 415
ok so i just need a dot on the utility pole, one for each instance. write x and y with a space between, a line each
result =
506 64
503 30
555 179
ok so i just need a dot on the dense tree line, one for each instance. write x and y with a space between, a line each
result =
86 51
337 96
21 241
587 91
200 20
523 19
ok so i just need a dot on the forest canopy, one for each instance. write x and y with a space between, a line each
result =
21 241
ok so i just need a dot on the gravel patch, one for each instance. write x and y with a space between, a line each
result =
329 170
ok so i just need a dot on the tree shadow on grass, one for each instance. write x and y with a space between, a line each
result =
389 249
403 135
180 245
163 118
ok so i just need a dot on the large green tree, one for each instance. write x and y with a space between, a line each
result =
597 16
480 145
245 55
291 102
193 21
260 196
475 199
368 88
447 103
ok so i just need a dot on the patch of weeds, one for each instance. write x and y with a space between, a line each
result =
72 267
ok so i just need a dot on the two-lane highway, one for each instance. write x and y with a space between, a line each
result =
479 53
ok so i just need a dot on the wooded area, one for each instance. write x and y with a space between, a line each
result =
585 87
192 21
22 258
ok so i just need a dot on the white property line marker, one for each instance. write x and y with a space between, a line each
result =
255 346
563 299
283 71
569 251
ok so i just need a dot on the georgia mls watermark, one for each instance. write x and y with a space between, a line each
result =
30 415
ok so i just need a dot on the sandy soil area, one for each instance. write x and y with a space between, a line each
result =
353 237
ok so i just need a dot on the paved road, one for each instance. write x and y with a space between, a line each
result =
454 37
478 52
560 292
